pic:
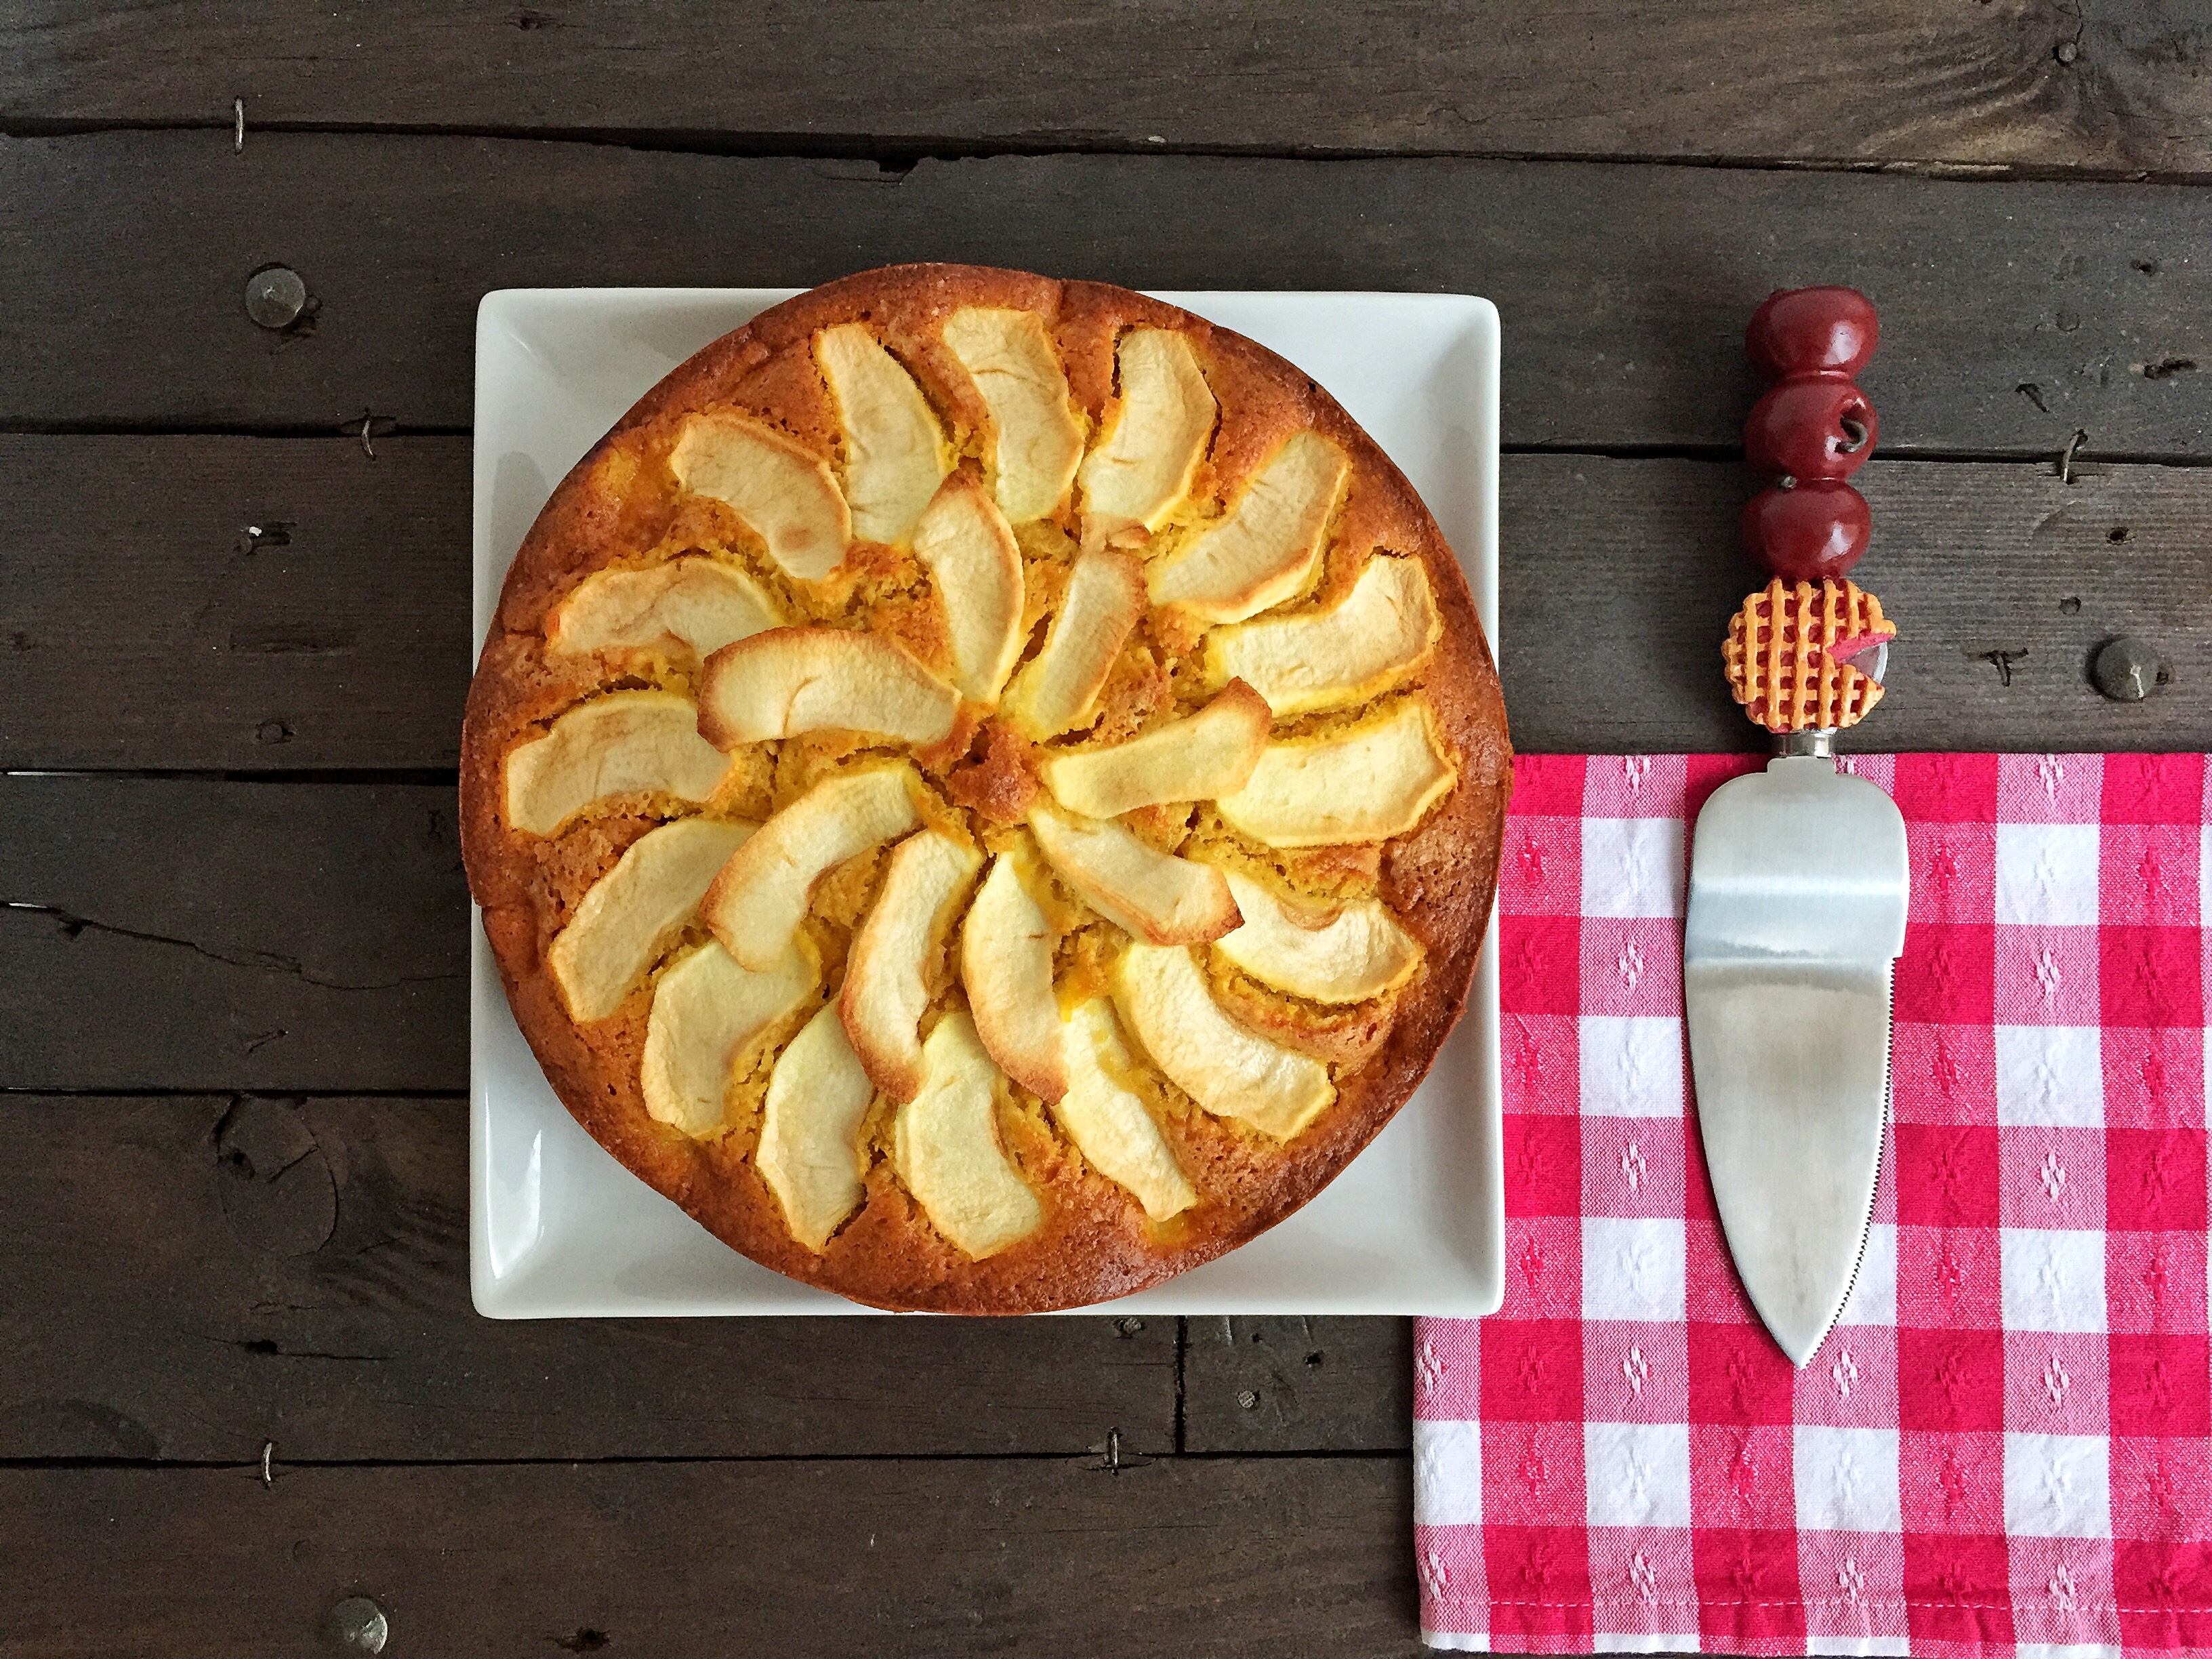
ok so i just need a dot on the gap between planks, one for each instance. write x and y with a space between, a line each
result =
280 432
1133 1457
895 160
1625 286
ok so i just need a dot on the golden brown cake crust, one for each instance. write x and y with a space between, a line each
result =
619 504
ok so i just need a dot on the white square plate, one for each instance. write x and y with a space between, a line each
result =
558 1229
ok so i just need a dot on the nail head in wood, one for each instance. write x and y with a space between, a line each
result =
2128 670
360 1625
274 297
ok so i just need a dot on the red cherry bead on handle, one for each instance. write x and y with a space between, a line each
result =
1811 331
1813 533
1811 429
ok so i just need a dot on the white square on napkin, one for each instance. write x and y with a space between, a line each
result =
2057 1486
2054 1279
1631 1065
1845 1479
1634 1268
1638 1474
2047 874
1632 867
1448 1468
2051 1076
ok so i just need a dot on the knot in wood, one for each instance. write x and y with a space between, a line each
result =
277 1192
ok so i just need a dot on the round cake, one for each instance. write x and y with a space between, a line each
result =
985 790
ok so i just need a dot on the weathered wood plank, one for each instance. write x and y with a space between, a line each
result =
1297 1384
347 647
1196 1556
192 1276
276 937
197 935
2031 83
2013 313
1620 577
228 603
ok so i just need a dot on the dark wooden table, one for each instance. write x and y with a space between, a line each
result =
239 1378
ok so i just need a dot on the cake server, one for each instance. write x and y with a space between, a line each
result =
1798 884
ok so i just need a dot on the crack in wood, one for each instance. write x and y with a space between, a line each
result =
262 1347
1181 1368
285 639
266 962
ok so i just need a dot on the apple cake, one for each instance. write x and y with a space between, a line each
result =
985 790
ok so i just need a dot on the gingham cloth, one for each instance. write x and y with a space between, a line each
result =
2007 1443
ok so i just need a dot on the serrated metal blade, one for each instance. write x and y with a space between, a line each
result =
1798 886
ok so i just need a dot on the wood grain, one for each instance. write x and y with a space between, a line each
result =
1888 80
1202 1556
2013 313
2002 581
348 646
173 933
1283 1384
192 1276
232 602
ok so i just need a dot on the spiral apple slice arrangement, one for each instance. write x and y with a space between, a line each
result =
1808 651
1109 916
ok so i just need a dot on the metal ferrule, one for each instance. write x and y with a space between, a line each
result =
1820 744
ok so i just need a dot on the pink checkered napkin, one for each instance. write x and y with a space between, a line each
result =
2007 1443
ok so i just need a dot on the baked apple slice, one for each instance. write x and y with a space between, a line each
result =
1108 1121
818 1097
697 604
1231 1073
1057 690
1346 953
1367 782
964 542
1037 441
1200 757
755 906
791 680
895 451
1142 468
1005 963
784 493
626 742
887 976
635 911
945 1146
705 1011
1156 896
1265 551
1378 633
